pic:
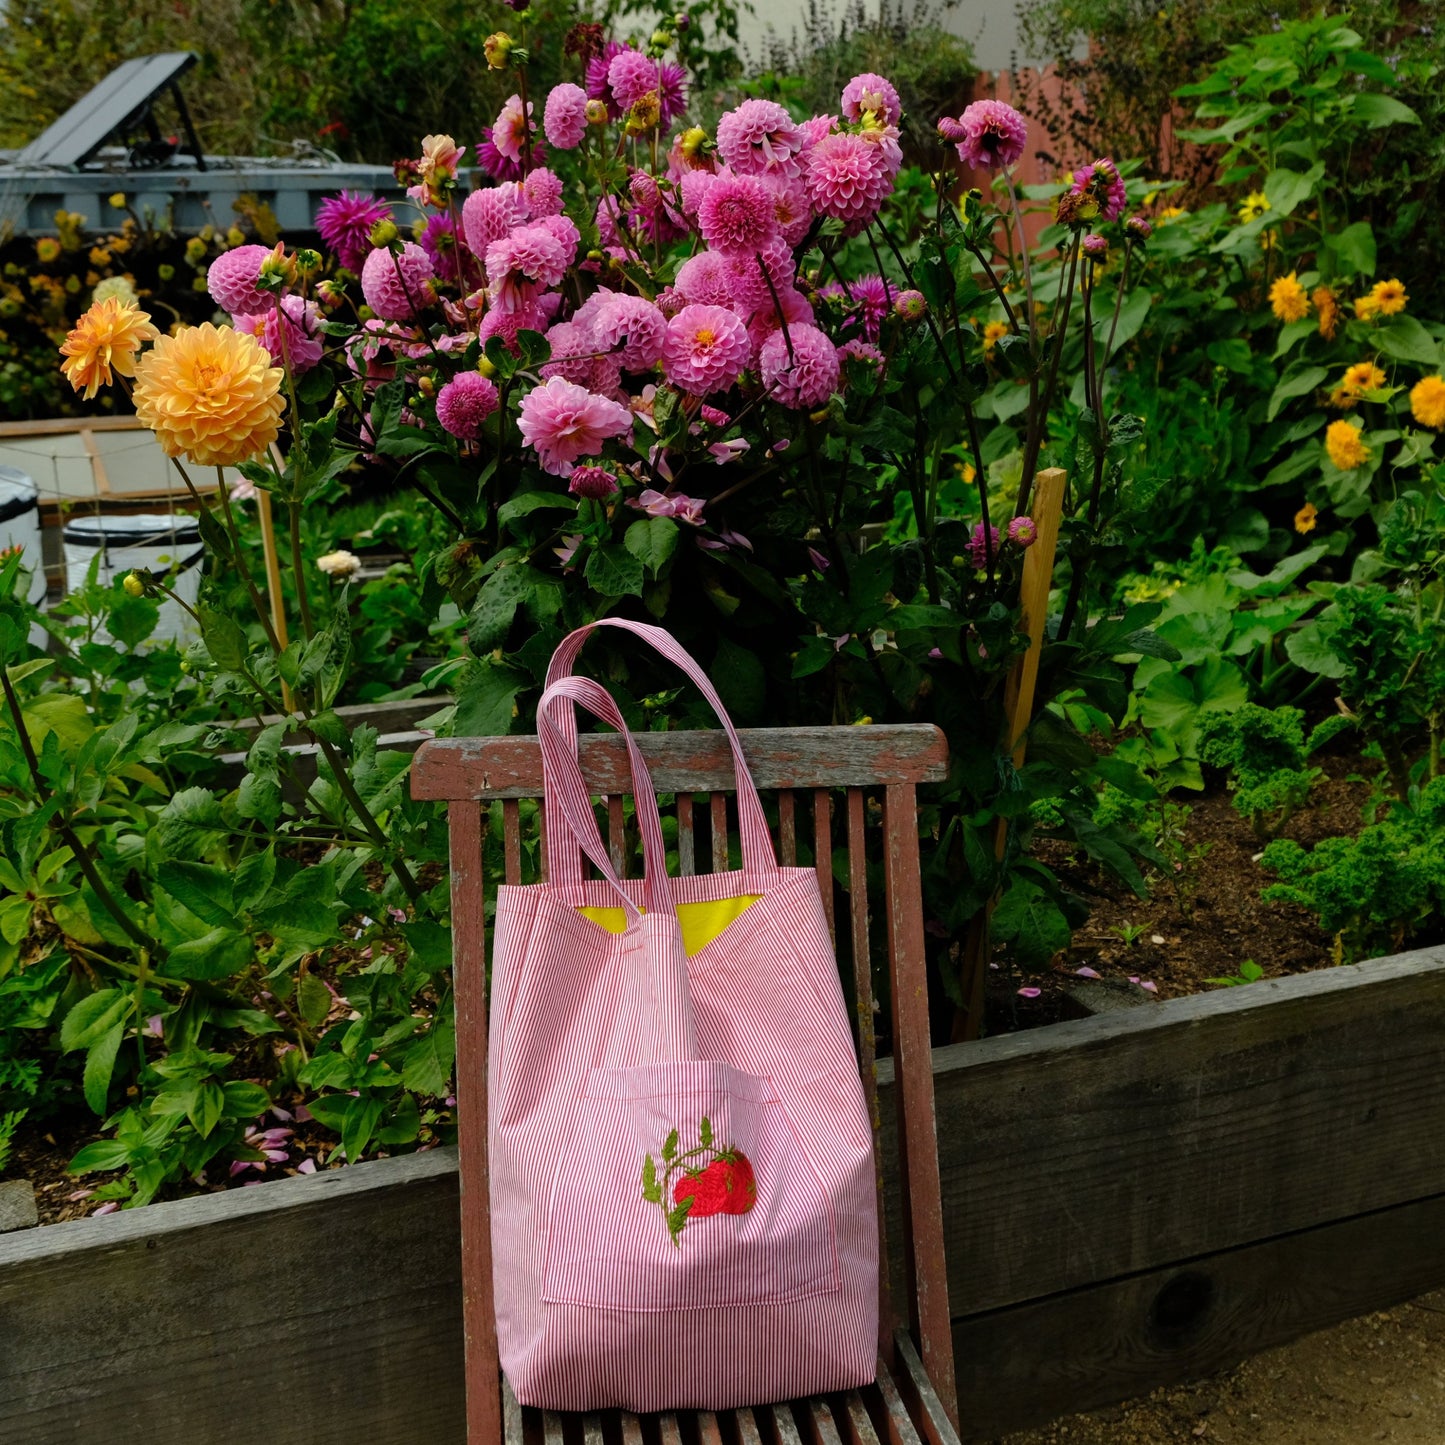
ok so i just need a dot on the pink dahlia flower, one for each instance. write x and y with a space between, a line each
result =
565 117
465 402
397 286
598 70
693 188
512 129
288 332
630 76
978 550
448 252
759 275
562 422
811 131
790 206
1102 184
632 329
492 213
873 297
796 311
862 351
847 179
232 280
706 350
737 214
759 136
805 376
594 483
543 191
871 92
573 351
705 279
886 140
671 91
531 254
507 324
994 135
1023 532
345 222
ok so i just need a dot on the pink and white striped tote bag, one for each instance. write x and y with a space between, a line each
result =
683 1206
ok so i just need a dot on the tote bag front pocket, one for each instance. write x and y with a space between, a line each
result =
685 1186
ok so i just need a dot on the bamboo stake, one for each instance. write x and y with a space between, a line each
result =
1019 689
273 580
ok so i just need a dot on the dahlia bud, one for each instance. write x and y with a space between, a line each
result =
910 305
645 114
1139 227
329 294
278 270
661 39
594 483
951 130
485 366
1023 532
308 261
235 236
596 113
694 145
134 584
117 201
682 20
498 50
426 386
1096 247
383 233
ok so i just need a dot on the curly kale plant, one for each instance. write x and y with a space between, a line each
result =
1265 752
1374 892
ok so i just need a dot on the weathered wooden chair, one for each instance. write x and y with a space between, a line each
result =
913 1400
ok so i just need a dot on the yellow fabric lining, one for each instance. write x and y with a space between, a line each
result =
700 922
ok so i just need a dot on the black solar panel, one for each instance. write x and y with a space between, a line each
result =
120 103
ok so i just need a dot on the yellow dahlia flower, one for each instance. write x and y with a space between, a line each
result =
1363 376
1388 297
1427 401
1288 299
211 394
1304 519
1342 442
105 339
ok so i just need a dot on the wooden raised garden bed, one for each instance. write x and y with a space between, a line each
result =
1130 1200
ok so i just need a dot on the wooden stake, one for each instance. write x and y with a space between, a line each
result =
1019 689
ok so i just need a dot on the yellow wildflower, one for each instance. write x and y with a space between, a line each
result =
1327 307
210 394
993 332
1388 297
106 338
1288 299
117 200
1346 450
47 249
1427 401
1254 205
1304 519
1365 307
1170 213
1363 376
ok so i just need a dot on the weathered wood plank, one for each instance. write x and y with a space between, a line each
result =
698 761
1112 1145
1022 1366
153 1326
386 717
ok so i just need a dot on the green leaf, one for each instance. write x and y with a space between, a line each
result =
486 693
1355 248
652 540
669 1148
63 714
224 638
1292 384
1031 922
99 1064
94 1016
429 1061
362 1116
704 1132
614 571
245 1100
403 1124
204 889
207 1107
530 502
1404 338
1307 649
651 1190
215 955
190 824
1292 334
1285 189
103 1154
132 619
1378 110
313 999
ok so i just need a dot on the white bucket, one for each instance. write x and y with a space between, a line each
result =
169 547
20 525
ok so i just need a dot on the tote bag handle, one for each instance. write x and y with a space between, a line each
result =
564 787
564 860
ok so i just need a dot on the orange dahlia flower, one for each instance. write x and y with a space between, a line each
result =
211 394
104 340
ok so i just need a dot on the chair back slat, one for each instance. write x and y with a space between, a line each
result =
686 860
787 829
697 767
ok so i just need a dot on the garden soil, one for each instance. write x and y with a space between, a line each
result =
1378 1378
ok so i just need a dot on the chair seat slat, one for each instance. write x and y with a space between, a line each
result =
631 1428
901 1430
747 1428
511 1415
552 1432
669 1430
708 1430
823 1427
933 1419
784 1426
857 1423
592 1430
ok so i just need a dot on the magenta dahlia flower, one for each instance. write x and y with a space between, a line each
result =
993 135
978 549
758 275
632 329
448 251
799 367
562 422
672 90
737 214
564 120
465 402
397 286
1023 532
873 298
531 254
796 311
598 70
693 187
758 136
507 324
232 280
288 331
1101 184
871 92
344 222
706 350
847 178
594 483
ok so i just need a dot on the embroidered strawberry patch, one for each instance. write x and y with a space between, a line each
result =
709 1180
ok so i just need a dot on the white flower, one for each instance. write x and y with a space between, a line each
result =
339 564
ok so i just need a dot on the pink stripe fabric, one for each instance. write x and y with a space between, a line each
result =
627 1079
